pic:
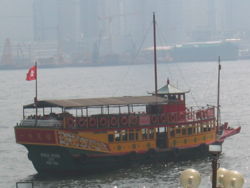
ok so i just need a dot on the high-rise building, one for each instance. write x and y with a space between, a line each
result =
105 27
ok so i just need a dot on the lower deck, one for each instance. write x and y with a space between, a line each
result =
120 141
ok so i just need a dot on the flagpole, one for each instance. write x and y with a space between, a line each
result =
36 80
35 100
218 96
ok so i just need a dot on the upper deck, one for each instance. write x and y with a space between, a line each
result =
115 113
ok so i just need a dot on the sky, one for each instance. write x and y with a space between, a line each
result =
16 21
120 25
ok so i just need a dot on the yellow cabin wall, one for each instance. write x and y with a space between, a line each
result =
98 136
195 139
141 145
122 146
99 141
129 146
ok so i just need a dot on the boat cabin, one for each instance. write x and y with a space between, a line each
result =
175 97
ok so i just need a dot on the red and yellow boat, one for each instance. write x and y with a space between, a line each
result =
84 134
81 135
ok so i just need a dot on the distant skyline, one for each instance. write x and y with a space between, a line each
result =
17 20
119 26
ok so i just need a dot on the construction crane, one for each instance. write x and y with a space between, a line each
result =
7 58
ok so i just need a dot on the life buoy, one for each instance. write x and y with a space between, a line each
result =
113 121
124 121
163 118
181 116
103 122
70 122
172 117
82 122
154 119
133 120
92 122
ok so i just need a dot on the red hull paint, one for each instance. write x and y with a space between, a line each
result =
35 136
229 132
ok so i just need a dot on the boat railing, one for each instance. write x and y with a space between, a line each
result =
41 123
103 121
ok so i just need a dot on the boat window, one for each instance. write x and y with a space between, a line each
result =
137 134
131 135
199 129
124 135
144 134
123 109
205 128
181 97
139 109
93 111
172 133
183 131
154 109
111 138
208 127
178 131
172 97
162 129
213 124
210 124
189 131
151 133
113 110
104 110
117 136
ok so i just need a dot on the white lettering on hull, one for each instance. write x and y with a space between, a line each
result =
51 159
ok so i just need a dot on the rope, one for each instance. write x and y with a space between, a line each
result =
143 40
164 41
135 57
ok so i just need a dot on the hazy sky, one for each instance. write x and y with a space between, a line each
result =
123 23
16 19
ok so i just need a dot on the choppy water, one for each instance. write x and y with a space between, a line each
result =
200 78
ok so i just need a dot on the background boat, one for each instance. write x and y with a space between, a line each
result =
199 51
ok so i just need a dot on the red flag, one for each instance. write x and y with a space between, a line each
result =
31 75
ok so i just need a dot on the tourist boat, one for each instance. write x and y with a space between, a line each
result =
82 135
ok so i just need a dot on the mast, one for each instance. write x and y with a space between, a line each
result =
155 59
218 96
35 99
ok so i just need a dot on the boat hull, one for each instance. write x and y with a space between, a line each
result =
59 160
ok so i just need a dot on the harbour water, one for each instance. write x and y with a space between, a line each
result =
84 82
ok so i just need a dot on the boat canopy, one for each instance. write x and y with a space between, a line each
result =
95 102
169 89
